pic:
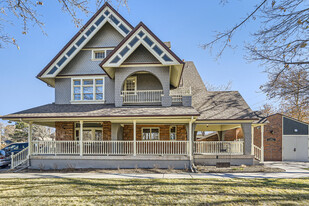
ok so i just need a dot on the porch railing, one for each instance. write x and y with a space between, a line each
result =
110 148
178 93
19 158
218 147
162 147
257 152
142 96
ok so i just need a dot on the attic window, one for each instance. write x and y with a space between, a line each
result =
100 54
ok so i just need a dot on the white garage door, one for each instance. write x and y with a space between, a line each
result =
295 148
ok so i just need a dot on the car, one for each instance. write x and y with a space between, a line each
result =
5 153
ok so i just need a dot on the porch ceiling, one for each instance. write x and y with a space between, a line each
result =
216 127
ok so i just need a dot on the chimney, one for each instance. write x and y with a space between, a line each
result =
168 44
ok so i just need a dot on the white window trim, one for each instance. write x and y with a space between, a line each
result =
150 133
81 92
129 78
93 129
99 50
175 132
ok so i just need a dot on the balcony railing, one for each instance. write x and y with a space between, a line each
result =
219 147
110 148
142 96
178 93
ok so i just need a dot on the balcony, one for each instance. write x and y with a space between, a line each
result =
142 96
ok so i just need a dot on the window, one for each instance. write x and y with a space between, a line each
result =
100 54
91 132
173 133
88 89
150 133
130 84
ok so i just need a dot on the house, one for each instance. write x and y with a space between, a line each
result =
285 139
124 99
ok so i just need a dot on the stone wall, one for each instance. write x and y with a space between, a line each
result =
164 132
64 131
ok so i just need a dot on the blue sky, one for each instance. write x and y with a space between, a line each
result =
186 25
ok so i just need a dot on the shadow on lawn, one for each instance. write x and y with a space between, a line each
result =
152 188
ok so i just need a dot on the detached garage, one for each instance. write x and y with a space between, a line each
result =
285 139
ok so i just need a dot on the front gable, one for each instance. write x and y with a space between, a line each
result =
141 35
141 55
106 14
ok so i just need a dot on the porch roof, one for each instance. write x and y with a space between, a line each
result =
100 110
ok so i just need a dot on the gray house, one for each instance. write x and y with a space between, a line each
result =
123 99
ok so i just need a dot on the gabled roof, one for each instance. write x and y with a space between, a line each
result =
105 14
142 35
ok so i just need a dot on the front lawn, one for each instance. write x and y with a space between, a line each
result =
154 191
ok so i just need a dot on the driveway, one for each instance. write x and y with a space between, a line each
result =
291 167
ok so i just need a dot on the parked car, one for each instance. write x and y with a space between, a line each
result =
5 153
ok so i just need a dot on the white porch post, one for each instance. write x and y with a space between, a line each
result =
252 140
134 136
29 138
190 139
262 143
81 131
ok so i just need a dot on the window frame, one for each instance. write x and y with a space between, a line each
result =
175 132
94 85
125 83
151 128
94 51
93 129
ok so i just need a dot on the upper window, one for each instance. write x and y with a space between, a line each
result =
88 89
100 54
130 84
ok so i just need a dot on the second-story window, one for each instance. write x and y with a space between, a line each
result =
101 54
88 89
130 84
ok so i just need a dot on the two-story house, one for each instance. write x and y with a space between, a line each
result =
124 99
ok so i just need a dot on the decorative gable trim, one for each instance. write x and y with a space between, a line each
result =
105 14
141 35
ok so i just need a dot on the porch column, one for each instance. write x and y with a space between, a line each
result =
246 128
81 131
134 136
252 139
262 143
29 138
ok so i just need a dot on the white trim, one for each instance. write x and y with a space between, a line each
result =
151 128
93 51
87 39
93 78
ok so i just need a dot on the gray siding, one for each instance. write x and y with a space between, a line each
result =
107 36
141 55
289 127
63 91
82 64
148 82
162 73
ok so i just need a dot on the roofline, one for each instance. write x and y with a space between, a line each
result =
252 119
106 4
288 117
16 117
141 24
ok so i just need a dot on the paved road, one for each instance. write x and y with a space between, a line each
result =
293 170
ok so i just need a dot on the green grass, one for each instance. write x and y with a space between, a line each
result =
154 191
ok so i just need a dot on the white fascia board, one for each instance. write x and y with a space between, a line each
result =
87 39
138 43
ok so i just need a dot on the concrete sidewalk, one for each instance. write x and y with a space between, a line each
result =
293 170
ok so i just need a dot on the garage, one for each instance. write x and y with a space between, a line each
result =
294 140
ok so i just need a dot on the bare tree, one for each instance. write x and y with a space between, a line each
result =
27 12
267 110
222 87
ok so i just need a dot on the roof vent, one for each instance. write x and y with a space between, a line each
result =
168 44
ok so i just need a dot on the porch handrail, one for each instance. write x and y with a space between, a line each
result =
19 158
167 147
178 93
257 152
142 96
219 147
108 147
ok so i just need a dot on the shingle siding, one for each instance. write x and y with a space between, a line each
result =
63 91
108 36
141 55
